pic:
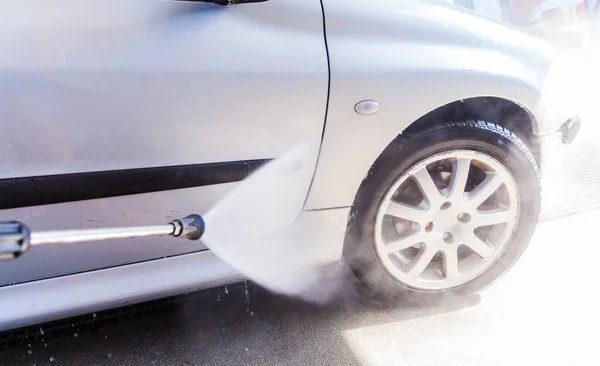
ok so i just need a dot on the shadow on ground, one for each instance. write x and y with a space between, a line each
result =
218 328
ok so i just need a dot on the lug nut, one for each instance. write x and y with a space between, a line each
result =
429 227
448 238
464 217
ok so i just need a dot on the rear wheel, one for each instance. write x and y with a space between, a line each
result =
444 211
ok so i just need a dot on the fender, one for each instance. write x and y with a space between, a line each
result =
420 56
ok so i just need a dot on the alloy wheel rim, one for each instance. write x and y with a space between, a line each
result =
446 220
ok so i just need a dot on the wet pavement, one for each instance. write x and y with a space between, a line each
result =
540 313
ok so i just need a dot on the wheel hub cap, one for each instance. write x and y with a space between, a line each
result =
444 220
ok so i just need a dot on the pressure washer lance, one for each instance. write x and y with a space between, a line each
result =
16 238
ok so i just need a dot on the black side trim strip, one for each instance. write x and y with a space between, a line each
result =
45 190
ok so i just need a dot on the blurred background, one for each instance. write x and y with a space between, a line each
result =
563 22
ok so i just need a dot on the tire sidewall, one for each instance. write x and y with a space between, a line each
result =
407 151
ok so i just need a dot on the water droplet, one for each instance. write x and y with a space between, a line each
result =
45 345
29 345
41 331
29 351
247 300
110 355
72 325
252 313
94 315
52 359
75 335
226 290
105 336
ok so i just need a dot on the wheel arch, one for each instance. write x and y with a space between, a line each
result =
501 111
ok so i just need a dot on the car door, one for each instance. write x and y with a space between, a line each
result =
140 111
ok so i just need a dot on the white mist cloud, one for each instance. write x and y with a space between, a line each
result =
255 227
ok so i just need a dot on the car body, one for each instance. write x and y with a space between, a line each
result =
138 112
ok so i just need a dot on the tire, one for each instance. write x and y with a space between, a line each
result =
486 140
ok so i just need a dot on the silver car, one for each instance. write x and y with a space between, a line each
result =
426 128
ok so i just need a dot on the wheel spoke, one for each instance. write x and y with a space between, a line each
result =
481 248
428 188
404 243
420 262
491 217
460 173
485 189
450 264
403 211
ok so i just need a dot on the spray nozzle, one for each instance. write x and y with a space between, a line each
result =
190 227
16 238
